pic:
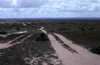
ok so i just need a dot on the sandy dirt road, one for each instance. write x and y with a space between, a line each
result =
8 44
65 55
83 57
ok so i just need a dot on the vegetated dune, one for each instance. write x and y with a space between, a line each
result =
35 49
29 49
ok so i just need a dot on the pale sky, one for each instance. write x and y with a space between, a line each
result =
49 8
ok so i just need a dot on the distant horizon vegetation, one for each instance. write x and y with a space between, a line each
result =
49 19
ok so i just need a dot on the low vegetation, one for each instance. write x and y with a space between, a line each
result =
35 50
81 32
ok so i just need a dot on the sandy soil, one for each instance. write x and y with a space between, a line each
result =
20 32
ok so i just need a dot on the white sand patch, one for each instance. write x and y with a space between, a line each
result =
42 29
4 36
19 32
24 24
44 63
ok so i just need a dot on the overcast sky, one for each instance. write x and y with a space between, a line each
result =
49 8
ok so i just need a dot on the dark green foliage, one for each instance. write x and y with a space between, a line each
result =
43 37
96 50
3 32
17 29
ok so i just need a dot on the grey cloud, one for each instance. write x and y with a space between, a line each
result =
4 3
31 3
22 3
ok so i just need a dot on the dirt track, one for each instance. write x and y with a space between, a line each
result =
83 57
9 44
